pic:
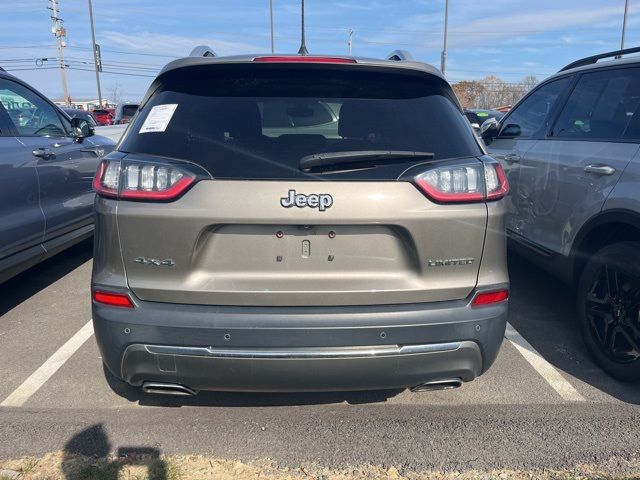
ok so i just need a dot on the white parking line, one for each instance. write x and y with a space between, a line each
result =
38 378
544 368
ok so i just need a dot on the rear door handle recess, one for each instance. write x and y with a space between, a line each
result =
44 153
512 158
600 169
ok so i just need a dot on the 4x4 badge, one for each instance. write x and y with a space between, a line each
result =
167 262
321 201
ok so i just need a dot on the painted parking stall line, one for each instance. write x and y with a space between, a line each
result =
544 368
38 378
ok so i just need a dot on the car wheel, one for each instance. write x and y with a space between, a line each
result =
609 309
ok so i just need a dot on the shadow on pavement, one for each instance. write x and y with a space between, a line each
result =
238 399
543 310
30 282
93 444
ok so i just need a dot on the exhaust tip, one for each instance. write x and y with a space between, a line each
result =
447 384
160 388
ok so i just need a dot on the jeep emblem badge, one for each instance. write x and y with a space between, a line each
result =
321 201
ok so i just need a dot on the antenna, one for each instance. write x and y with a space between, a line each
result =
303 47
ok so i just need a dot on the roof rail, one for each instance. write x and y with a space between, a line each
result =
400 56
594 58
202 51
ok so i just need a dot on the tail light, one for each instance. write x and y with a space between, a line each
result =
490 298
113 299
141 181
463 183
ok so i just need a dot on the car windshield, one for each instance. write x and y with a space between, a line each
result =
259 124
100 112
129 110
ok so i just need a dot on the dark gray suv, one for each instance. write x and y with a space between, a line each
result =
571 152
299 223
47 162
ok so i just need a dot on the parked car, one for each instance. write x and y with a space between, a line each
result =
125 112
570 150
103 117
47 163
83 114
368 257
503 108
477 116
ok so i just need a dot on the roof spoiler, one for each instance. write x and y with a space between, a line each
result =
594 58
400 56
202 51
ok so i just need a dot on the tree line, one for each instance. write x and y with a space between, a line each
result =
492 92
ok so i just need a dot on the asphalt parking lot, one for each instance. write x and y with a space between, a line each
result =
544 402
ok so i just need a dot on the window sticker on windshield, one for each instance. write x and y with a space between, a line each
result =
158 118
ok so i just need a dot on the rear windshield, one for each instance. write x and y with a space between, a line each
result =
100 112
129 110
250 123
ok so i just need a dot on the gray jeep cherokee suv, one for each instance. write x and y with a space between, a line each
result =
299 223
571 152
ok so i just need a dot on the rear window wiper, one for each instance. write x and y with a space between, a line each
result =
359 156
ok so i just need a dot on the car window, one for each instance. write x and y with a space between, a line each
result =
4 121
277 115
602 106
472 117
259 123
30 113
129 110
533 114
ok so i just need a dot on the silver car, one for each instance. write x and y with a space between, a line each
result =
570 149
356 241
47 164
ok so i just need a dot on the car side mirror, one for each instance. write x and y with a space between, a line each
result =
489 129
81 128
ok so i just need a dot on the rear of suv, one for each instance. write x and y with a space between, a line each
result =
571 150
299 223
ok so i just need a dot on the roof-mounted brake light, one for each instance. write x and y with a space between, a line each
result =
303 59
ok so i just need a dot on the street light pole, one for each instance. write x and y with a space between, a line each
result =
443 57
624 23
95 54
271 17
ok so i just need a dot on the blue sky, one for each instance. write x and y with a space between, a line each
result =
507 38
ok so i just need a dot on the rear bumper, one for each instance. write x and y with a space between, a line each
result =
298 348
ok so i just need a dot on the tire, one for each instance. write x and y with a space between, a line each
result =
608 304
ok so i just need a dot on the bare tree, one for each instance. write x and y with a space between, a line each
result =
492 91
529 82
116 93
468 92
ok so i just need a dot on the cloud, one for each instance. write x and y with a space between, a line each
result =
168 44
359 6
425 30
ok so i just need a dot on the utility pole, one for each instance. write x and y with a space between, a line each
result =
58 30
624 23
97 61
350 40
443 57
271 17
303 47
